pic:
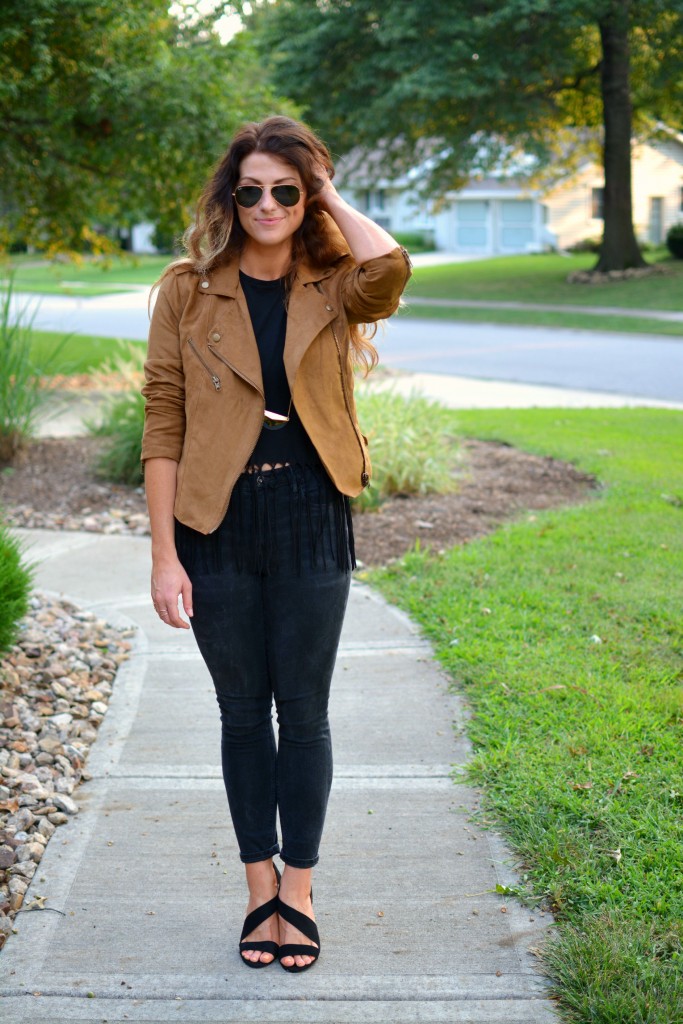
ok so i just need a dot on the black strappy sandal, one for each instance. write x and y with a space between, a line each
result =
307 927
252 921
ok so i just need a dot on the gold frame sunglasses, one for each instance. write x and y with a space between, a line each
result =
249 195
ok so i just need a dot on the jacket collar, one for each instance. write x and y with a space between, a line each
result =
224 279
309 312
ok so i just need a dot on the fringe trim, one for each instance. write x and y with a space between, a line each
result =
300 499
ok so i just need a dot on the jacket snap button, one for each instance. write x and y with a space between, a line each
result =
215 336
329 308
205 284
364 479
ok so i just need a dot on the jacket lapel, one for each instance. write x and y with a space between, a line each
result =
230 332
308 314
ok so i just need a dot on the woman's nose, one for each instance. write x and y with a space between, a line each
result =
267 201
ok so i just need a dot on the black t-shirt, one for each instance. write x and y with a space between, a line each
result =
288 442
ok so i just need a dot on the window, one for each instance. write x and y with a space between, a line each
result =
598 204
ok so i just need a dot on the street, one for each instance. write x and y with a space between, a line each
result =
650 366
644 365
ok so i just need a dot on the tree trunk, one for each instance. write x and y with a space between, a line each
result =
620 248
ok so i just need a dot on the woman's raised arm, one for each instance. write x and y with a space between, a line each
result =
365 238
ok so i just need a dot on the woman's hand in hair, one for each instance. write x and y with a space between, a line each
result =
328 191
366 239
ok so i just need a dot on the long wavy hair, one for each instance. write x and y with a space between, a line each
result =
217 235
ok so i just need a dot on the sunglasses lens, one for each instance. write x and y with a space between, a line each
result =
286 195
248 195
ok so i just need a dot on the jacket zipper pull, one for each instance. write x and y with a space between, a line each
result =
216 381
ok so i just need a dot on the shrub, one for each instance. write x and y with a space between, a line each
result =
586 245
21 396
674 240
412 446
15 586
123 420
122 426
416 241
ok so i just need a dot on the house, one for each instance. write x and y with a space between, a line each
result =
500 215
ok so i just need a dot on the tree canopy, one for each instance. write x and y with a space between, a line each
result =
113 112
475 81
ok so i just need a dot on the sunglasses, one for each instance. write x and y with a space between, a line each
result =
249 195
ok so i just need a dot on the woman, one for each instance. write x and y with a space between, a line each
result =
252 451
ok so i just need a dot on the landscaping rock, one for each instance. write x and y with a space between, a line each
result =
54 691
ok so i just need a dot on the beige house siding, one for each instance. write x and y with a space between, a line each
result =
494 216
657 175
569 207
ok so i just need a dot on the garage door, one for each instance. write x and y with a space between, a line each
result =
472 228
515 225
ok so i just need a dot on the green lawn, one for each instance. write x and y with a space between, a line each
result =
90 277
565 632
569 319
542 278
77 353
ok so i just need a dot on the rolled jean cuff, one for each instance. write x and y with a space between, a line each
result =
296 863
253 858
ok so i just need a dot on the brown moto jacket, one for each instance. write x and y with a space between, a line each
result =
204 390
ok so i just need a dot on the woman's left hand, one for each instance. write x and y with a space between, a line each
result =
328 190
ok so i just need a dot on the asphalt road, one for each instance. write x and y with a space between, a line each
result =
644 365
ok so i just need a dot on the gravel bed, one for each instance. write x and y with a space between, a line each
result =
55 685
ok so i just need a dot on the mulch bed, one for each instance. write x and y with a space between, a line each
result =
55 487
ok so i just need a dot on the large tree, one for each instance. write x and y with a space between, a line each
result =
471 83
113 111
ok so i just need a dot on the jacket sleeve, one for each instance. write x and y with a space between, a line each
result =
372 290
164 388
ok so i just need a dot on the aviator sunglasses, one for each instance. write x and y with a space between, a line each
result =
249 195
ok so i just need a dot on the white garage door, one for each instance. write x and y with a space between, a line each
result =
515 225
472 225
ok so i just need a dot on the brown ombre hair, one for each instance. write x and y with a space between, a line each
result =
217 235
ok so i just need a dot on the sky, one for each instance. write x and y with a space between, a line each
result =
227 26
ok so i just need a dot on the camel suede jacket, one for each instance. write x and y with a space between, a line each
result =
204 390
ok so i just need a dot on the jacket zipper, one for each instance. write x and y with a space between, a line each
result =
365 476
222 358
215 379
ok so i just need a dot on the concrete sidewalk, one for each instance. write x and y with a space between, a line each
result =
65 413
147 878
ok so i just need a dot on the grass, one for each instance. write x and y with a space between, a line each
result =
543 318
79 353
101 276
21 375
543 279
565 632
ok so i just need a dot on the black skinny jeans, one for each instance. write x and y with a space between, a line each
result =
268 634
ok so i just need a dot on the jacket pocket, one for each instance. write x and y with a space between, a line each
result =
215 379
